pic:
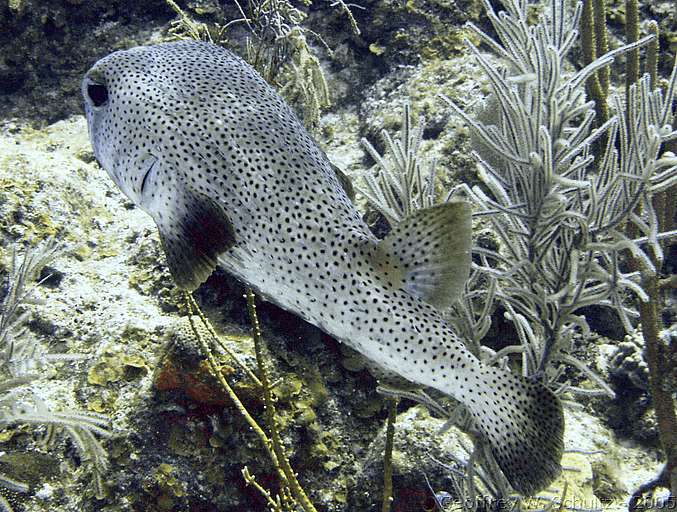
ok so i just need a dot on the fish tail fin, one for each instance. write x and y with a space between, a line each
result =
523 423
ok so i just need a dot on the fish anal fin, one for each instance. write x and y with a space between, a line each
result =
193 233
428 253
389 379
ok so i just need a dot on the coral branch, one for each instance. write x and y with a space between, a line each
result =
297 491
388 456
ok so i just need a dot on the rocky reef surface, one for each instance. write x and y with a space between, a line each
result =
177 442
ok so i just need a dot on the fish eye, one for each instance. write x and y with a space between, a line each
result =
97 93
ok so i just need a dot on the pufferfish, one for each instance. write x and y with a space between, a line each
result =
197 139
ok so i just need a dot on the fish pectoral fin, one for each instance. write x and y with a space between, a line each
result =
193 233
428 253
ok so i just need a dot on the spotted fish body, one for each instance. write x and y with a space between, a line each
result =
198 140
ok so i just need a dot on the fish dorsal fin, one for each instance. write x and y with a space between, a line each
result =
428 253
193 231
344 181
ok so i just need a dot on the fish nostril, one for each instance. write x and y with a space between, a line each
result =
98 94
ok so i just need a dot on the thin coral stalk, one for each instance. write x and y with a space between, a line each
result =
274 504
214 370
631 35
651 66
208 325
601 43
272 444
660 360
297 491
591 41
388 456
